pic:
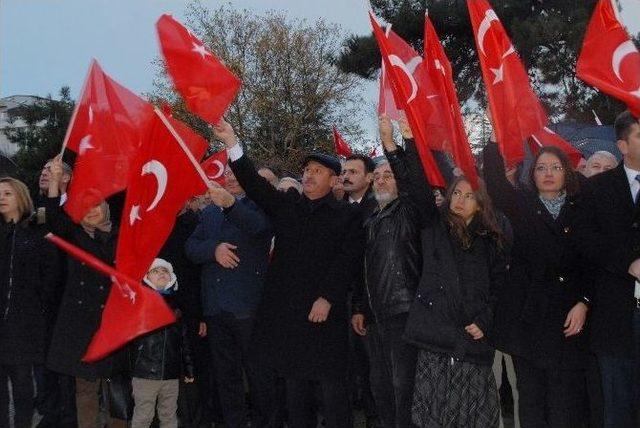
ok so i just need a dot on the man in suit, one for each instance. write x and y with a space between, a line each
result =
302 324
609 238
232 242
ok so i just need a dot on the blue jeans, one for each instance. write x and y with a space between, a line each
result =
620 384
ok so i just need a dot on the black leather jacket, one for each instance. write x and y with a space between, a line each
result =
162 354
393 261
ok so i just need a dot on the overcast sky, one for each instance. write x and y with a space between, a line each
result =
45 44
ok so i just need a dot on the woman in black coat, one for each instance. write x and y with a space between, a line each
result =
27 270
452 314
80 311
543 311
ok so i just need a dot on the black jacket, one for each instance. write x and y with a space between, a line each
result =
187 272
28 275
318 253
458 285
84 298
545 277
608 231
163 354
392 261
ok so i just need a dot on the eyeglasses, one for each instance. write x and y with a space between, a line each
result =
466 196
546 168
385 176
228 173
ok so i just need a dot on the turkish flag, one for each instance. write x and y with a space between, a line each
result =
386 104
142 301
408 94
440 73
207 86
609 59
214 165
341 147
106 129
163 176
433 117
546 137
516 110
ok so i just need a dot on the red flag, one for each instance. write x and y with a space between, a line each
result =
409 97
609 60
196 144
214 166
440 74
341 147
546 137
516 110
144 301
163 177
105 131
207 86
386 104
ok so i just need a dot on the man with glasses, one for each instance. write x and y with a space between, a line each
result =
392 272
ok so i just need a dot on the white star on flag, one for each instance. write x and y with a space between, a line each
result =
200 49
90 114
499 72
85 144
134 214
439 66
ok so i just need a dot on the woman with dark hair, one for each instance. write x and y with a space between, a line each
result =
542 313
85 294
451 317
27 270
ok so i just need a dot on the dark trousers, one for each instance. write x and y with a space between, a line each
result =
550 397
55 399
336 407
393 368
21 379
620 387
230 340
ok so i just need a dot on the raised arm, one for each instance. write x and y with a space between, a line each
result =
413 187
502 193
256 187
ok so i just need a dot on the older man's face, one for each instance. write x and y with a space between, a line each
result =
597 164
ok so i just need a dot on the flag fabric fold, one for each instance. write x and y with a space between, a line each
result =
516 110
408 96
453 133
203 81
106 129
163 176
609 60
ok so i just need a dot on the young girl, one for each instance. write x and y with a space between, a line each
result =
452 314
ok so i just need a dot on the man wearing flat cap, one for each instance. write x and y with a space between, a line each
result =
302 327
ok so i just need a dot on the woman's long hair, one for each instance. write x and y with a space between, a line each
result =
485 215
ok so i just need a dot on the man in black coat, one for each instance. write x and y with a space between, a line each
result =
609 236
393 262
302 327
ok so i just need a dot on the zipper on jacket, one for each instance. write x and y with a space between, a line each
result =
366 286
10 292
164 345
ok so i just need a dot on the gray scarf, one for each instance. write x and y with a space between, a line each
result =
554 205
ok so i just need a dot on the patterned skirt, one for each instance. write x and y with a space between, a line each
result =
454 394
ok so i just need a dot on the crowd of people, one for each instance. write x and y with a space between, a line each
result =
359 285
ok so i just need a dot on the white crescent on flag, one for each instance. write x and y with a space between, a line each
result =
160 172
484 26
625 48
397 62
